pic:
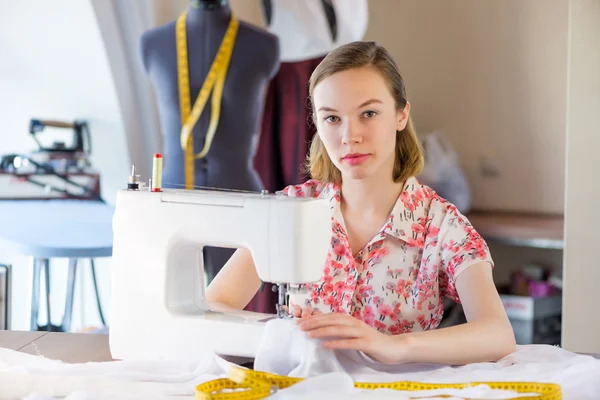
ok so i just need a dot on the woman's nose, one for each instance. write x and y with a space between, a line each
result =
351 133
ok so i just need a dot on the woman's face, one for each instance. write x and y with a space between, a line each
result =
357 121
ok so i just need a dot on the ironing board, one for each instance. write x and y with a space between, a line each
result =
46 229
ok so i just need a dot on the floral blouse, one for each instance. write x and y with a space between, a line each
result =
398 281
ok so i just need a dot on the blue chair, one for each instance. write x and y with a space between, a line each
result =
46 229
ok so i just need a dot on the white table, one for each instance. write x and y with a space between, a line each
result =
57 228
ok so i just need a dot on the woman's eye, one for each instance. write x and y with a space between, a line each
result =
370 114
331 118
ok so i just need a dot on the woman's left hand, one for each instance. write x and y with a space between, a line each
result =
347 332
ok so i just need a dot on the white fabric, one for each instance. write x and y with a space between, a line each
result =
286 350
303 31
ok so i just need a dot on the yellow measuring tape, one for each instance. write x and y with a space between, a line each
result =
215 79
246 384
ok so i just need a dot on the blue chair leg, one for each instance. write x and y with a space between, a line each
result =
35 295
99 304
38 263
71 280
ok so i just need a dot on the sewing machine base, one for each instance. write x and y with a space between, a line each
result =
235 335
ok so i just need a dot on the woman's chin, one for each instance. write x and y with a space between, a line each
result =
357 173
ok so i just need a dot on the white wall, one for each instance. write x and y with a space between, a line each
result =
54 65
581 267
492 76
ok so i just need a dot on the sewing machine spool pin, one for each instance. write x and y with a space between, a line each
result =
133 182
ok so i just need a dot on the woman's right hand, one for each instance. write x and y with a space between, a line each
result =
303 312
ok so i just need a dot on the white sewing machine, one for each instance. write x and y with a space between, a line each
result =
157 302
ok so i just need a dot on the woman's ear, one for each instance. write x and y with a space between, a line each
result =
403 117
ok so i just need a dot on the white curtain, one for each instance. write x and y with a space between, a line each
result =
121 26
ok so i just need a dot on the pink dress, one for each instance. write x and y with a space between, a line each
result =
398 281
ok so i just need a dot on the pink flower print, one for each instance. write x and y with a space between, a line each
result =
380 326
394 316
329 300
379 253
418 242
339 251
327 279
359 297
337 266
395 329
377 300
419 195
419 229
421 321
328 287
400 286
481 248
368 316
336 197
405 198
433 231
385 310
452 246
430 306
339 286
369 320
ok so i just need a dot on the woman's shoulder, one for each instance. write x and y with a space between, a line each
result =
310 188
436 207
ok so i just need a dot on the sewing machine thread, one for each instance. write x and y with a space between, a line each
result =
157 172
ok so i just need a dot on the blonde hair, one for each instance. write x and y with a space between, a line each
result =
409 150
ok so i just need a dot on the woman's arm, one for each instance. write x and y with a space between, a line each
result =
487 335
236 283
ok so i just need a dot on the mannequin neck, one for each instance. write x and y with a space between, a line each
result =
208 10
207 5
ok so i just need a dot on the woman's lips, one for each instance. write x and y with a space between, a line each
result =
355 158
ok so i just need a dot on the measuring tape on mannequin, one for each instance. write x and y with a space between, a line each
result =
214 80
246 384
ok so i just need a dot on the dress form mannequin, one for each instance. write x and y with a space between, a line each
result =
254 61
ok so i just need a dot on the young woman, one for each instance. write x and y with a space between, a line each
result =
397 248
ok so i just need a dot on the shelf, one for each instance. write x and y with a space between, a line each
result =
526 230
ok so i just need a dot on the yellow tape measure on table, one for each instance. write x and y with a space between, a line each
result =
214 80
246 384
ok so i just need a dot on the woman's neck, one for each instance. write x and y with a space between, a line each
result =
370 195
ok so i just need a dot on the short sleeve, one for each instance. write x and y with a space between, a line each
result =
460 247
310 188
